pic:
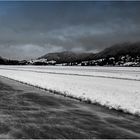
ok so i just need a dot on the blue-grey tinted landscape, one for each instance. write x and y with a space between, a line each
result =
69 69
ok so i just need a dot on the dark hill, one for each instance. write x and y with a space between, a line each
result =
68 57
2 61
131 49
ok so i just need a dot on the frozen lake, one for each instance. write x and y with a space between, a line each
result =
115 87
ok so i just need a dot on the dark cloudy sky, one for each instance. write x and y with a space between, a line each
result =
31 29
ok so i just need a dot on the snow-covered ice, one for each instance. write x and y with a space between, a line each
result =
115 87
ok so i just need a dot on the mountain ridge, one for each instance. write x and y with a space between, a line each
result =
127 48
118 54
67 56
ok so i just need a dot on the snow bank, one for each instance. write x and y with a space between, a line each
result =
115 93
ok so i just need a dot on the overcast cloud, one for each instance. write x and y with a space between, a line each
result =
32 29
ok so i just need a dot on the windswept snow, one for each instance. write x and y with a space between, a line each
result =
115 87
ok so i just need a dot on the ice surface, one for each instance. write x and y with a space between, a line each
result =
115 87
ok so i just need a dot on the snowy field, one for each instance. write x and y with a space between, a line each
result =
115 87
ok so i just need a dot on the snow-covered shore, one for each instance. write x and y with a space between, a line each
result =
115 87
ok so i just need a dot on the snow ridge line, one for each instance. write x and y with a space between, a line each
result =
72 74
81 99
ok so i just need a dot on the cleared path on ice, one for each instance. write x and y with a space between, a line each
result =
31 113
120 92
